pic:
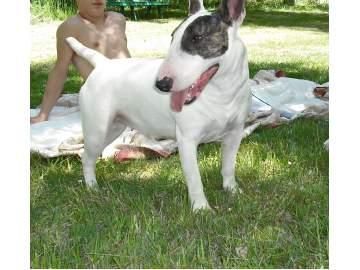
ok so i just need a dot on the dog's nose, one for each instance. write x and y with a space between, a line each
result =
164 84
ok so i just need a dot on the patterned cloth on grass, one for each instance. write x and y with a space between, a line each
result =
276 100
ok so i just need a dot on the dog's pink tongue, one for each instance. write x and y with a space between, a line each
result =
178 100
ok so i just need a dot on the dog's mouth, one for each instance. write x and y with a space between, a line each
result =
189 94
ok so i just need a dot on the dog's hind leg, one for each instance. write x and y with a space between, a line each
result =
95 140
89 162
229 149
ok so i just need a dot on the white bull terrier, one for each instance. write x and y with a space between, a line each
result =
206 74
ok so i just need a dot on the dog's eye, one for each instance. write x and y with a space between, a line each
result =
196 38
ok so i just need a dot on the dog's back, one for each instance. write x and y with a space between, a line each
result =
127 86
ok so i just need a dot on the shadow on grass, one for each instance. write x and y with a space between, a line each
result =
281 217
260 17
298 70
275 18
254 17
39 73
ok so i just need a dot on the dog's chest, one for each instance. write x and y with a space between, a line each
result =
208 124
219 125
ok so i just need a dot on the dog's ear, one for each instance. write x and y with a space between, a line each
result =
195 6
232 10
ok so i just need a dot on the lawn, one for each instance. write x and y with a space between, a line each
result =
141 218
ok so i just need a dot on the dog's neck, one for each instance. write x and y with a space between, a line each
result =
233 59
225 89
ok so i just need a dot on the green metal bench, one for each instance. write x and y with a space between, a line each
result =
132 4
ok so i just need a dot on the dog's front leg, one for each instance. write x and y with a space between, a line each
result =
229 149
188 157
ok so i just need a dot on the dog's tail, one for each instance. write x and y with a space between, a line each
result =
92 56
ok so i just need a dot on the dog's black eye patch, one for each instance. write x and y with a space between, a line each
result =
206 36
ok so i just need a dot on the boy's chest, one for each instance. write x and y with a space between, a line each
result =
109 40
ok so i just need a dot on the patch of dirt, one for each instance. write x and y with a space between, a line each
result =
43 40
145 39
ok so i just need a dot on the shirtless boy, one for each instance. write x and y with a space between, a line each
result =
95 28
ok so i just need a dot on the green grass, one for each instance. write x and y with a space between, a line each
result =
39 72
48 11
141 218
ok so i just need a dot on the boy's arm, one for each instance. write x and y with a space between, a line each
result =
57 75
120 20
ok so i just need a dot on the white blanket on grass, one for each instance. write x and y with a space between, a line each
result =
275 101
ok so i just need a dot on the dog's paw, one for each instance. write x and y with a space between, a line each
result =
198 206
92 185
233 188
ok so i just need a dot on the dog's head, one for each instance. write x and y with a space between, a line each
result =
197 48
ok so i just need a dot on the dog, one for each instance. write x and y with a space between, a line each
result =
199 93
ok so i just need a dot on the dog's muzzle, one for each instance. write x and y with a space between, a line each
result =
164 84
